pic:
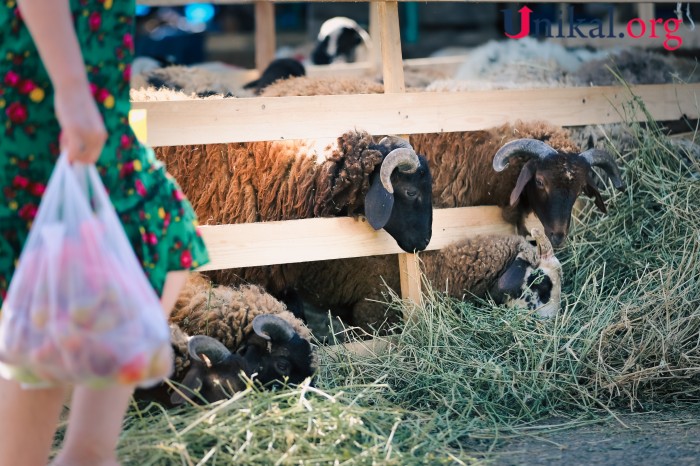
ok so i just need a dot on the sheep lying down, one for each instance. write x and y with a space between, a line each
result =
217 333
508 268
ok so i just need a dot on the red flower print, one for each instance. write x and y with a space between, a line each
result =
127 169
93 89
11 78
16 112
17 60
186 259
140 188
27 212
94 21
178 195
18 14
152 238
166 220
127 73
26 86
125 143
128 42
20 182
37 189
101 95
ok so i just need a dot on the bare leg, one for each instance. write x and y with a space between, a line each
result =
96 416
29 419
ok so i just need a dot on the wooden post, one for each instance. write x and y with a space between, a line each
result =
392 61
265 39
375 36
645 11
390 36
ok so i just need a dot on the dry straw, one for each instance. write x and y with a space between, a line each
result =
464 375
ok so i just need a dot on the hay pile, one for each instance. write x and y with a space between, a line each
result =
462 376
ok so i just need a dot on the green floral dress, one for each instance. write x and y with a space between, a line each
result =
158 220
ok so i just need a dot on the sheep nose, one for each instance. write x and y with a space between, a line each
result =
557 239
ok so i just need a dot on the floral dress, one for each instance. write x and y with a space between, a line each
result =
158 220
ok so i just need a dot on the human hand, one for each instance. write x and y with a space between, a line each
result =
83 132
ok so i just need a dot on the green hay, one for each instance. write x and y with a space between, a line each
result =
462 376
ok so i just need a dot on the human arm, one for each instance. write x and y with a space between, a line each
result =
50 23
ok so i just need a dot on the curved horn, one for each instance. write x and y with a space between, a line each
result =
544 246
403 158
272 327
395 142
602 159
533 147
212 348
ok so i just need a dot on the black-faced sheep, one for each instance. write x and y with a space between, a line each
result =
235 331
284 180
466 173
280 68
506 267
513 167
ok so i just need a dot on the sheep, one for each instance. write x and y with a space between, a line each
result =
339 39
506 267
235 330
283 180
525 175
279 68
466 173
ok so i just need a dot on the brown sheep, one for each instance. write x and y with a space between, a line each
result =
506 267
464 174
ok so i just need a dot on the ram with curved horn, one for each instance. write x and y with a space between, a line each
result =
527 167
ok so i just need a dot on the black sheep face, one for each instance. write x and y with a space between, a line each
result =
274 355
411 220
274 364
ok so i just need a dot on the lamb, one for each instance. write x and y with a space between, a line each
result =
506 267
235 330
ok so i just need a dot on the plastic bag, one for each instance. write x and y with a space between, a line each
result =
79 308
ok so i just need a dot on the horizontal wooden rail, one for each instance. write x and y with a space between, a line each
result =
270 118
291 241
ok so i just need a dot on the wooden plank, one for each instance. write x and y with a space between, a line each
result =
265 41
272 118
390 34
375 63
645 11
291 241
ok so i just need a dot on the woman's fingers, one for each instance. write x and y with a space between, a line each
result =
83 132
83 144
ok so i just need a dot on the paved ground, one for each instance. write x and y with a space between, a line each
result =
669 437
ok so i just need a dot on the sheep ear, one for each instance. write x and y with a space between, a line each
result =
526 174
378 204
591 191
190 385
510 283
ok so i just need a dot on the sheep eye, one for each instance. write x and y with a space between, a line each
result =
539 183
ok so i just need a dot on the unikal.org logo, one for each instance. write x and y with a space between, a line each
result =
590 28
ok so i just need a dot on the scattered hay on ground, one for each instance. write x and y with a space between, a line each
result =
462 376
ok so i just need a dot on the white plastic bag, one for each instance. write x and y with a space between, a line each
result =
79 308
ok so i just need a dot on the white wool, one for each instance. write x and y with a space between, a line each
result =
494 54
